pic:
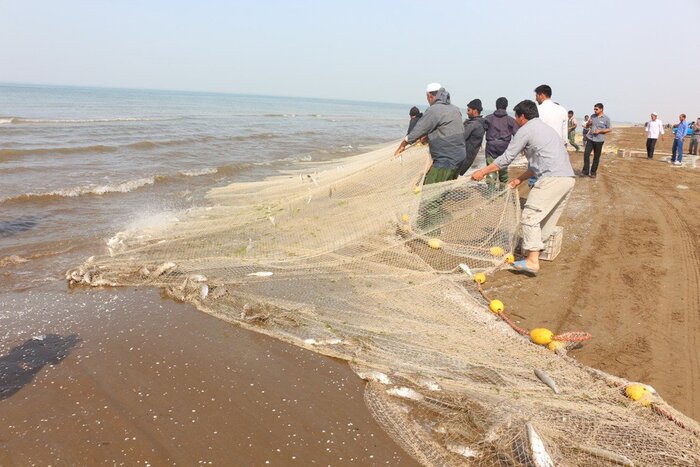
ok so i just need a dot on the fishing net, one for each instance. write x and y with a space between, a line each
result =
356 259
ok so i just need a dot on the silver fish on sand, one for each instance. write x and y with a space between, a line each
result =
608 455
539 454
261 274
545 378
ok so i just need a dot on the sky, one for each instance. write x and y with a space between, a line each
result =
634 56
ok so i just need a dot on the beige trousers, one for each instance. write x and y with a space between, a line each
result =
542 210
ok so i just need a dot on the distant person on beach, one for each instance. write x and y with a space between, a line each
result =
585 129
442 124
677 150
695 138
654 129
415 114
549 162
599 125
500 128
474 129
572 124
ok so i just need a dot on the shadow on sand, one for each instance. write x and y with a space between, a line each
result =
19 366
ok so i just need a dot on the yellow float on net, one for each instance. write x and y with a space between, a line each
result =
417 189
405 218
510 259
435 243
480 277
638 392
556 345
496 251
541 336
496 306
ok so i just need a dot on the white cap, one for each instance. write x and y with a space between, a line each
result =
432 87
654 113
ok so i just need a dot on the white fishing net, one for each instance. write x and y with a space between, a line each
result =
357 260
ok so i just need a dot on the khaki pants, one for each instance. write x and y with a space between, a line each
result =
542 210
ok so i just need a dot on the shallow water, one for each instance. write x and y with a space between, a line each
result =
80 164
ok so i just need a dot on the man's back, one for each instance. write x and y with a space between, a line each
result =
555 116
442 122
500 128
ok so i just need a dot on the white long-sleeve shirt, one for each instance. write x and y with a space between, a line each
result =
556 117
654 128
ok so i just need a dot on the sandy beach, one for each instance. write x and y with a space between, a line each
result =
124 376
628 271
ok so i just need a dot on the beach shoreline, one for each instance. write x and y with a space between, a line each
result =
146 380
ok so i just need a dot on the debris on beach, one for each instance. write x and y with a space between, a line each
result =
376 376
163 268
406 393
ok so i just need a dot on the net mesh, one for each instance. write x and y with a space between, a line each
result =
356 259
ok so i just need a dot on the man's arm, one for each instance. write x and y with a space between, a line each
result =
529 173
517 144
427 123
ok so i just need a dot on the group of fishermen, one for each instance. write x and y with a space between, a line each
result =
454 145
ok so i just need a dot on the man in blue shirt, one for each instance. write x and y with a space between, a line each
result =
681 129
599 125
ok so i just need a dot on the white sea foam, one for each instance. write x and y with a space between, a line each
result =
73 192
79 120
198 172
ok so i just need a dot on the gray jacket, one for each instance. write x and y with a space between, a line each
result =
442 122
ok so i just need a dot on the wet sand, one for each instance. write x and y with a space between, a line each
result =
124 377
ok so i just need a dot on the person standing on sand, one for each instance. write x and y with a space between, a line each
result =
654 129
573 123
474 129
681 130
442 124
599 125
551 113
500 128
695 138
585 130
549 162
415 115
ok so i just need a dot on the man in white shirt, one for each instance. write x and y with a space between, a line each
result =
552 114
654 129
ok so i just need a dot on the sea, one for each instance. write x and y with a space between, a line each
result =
78 164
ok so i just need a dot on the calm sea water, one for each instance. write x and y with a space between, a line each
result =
79 164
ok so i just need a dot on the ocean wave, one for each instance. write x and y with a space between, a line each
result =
253 136
67 150
125 187
198 172
73 192
100 148
21 120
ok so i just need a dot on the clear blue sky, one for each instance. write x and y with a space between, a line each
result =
635 56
